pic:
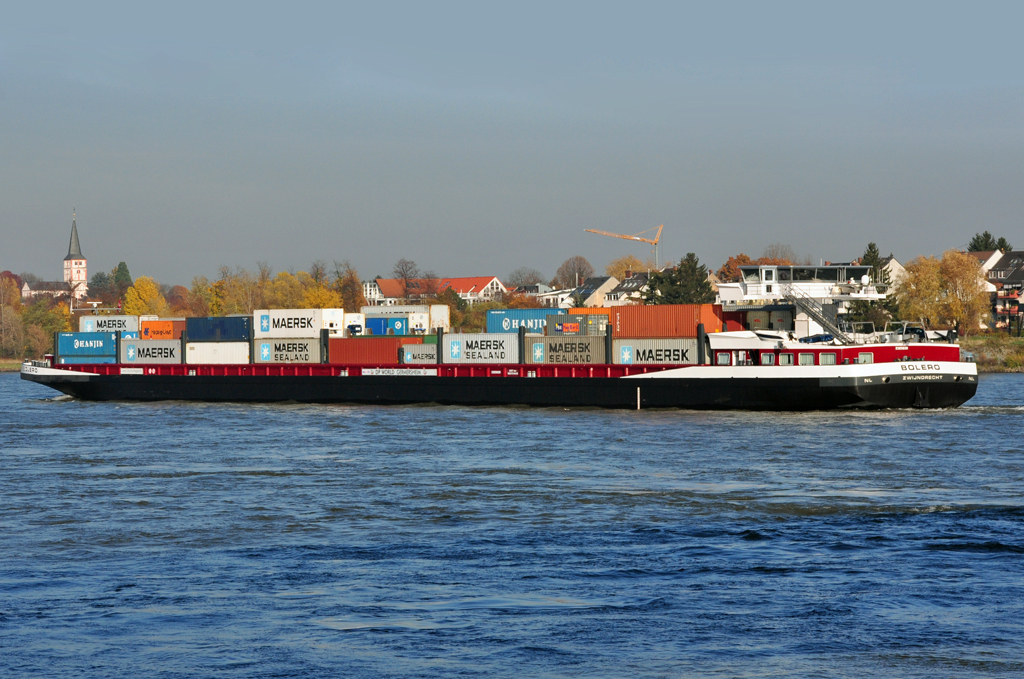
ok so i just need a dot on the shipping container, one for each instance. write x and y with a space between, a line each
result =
418 353
781 320
151 351
569 324
286 350
648 351
590 311
76 360
565 350
480 348
396 310
758 320
297 323
219 329
87 344
161 330
219 353
510 320
354 324
108 323
367 350
665 320
376 325
419 324
398 325
129 335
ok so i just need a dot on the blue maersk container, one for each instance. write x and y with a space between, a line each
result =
510 320
219 329
87 344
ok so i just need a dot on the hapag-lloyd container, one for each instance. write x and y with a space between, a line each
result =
664 320
367 350
418 353
87 344
653 351
582 324
286 350
150 351
299 323
219 329
565 350
161 330
510 320
216 353
480 348
108 323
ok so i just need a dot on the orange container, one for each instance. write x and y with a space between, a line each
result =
665 320
368 350
590 311
161 330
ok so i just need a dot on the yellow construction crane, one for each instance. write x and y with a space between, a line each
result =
636 237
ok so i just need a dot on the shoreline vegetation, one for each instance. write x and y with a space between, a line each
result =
994 353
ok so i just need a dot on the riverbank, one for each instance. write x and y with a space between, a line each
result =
996 353
7 366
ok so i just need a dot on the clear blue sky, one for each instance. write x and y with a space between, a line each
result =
478 139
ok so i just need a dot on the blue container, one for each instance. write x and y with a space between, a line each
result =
68 360
87 344
377 326
398 324
219 329
128 334
510 320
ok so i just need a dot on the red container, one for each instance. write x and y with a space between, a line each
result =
734 320
665 320
368 350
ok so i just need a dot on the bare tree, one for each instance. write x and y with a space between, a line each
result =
406 272
573 271
318 272
778 253
348 285
524 275
430 284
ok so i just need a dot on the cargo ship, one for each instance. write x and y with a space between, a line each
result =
756 370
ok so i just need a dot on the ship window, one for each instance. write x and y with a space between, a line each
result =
828 359
785 274
800 274
865 357
723 358
768 274
785 359
806 359
767 358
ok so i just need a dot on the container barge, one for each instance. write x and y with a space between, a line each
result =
732 370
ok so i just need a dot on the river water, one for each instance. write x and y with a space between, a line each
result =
176 539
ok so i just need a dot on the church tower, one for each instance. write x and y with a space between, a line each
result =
75 272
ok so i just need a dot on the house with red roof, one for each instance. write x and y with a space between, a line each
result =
391 291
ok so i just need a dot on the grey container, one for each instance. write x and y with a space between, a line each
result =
135 352
286 350
654 351
480 348
417 353
575 325
565 350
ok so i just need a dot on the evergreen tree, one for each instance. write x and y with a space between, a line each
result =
1003 244
122 279
685 284
982 242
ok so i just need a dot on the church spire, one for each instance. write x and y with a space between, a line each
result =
74 248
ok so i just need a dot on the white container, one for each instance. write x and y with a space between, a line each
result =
480 348
397 310
419 324
135 352
654 351
108 323
299 323
286 350
418 353
220 353
352 321
440 317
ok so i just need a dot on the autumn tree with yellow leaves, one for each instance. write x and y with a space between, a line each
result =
944 292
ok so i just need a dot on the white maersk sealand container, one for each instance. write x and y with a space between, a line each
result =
480 348
297 323
288 350
221 353
134 352
108 323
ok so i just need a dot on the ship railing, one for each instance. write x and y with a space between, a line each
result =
813 308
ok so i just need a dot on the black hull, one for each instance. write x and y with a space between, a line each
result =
676 392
